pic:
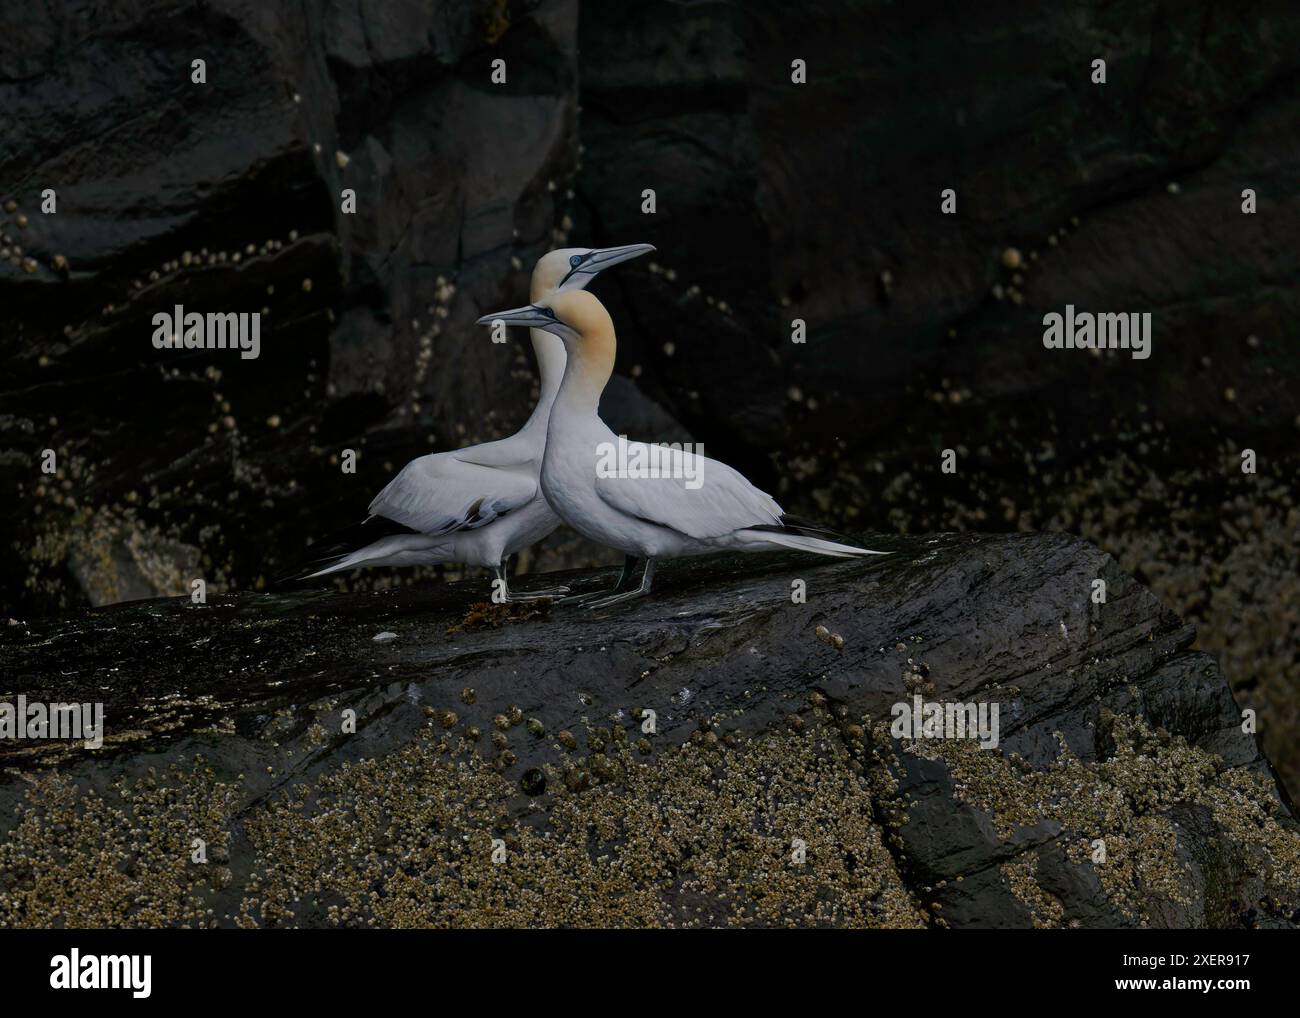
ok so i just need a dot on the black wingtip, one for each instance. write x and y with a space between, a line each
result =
295 577
340 545
305 569
807 528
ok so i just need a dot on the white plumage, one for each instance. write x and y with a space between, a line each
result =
478 506
704 513
458 490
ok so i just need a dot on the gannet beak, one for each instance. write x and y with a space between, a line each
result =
528 315
598 260
606 257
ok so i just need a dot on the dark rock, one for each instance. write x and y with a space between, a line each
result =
790 201
1111 729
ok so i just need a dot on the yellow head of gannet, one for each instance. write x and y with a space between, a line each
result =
582 324
577 317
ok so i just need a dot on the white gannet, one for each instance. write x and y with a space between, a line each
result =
479 505
693 506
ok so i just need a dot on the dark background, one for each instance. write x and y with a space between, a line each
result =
819 201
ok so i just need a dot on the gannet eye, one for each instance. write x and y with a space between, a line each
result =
549 313
575 261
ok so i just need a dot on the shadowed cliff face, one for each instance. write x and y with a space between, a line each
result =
775 201
822 202
642 765
228 196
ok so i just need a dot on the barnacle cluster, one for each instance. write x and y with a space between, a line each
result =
793 826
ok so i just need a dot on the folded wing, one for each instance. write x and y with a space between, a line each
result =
699 497
442 493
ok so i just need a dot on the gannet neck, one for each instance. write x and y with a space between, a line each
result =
548 349
590 363
550 370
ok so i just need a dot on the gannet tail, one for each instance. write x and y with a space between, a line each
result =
370 542
801 535
322 566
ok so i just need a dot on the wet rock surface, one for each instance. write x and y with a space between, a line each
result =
522 730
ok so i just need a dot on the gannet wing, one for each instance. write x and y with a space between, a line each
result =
442 493
723 501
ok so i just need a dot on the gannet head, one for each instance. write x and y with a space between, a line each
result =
572 268
576 316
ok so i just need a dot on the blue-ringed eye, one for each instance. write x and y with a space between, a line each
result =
575 261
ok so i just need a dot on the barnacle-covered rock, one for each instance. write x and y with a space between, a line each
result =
1122 789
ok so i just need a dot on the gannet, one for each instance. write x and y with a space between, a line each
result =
479 505
645 517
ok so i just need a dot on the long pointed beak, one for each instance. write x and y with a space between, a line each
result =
597 261
525 316
607 257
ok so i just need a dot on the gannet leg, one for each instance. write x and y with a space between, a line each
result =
553 594
630 563
642 590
